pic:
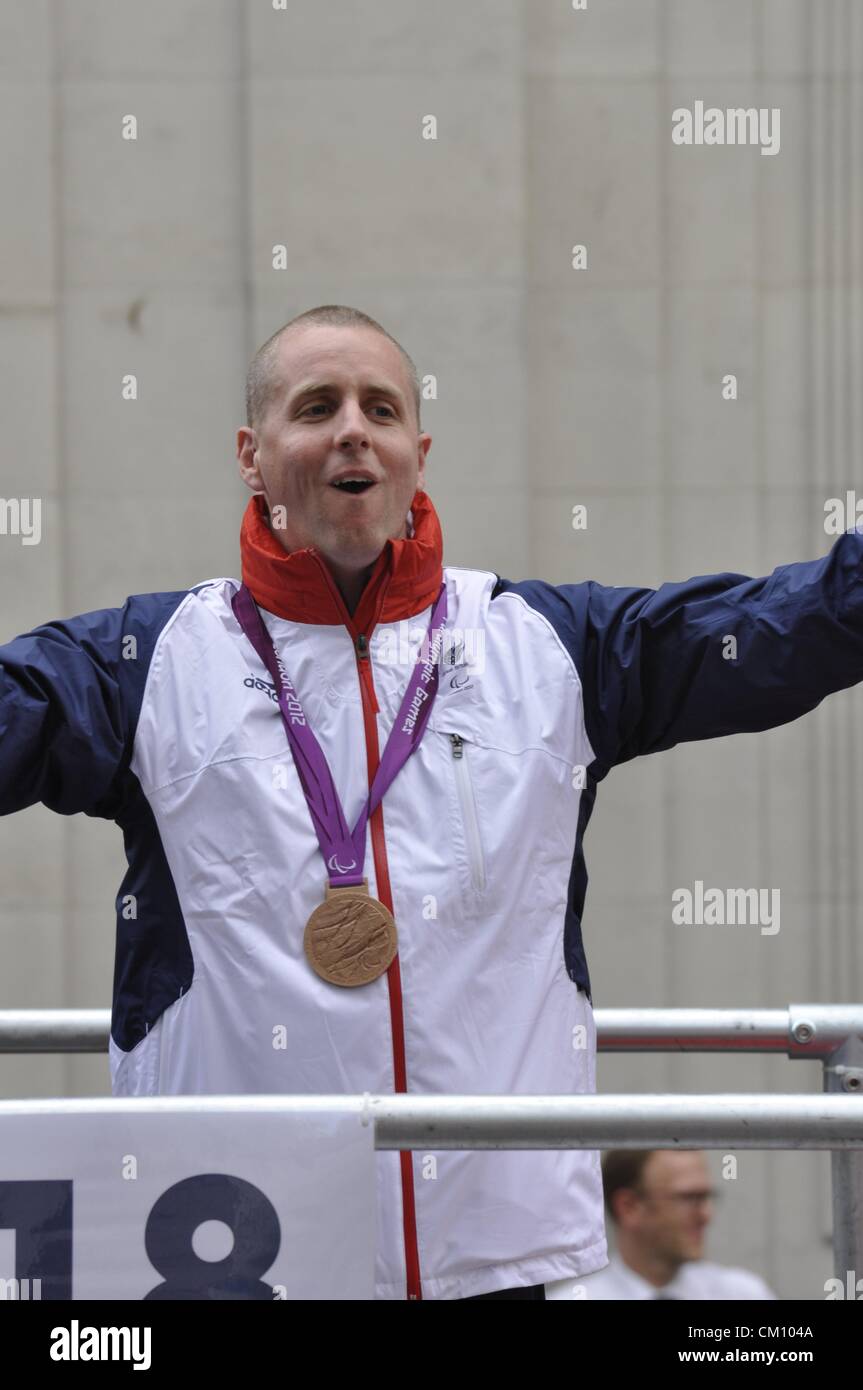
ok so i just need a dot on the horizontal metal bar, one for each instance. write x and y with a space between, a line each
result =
692 1030
54 1030
802 1030
533 1122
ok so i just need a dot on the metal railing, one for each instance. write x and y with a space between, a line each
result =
828 1033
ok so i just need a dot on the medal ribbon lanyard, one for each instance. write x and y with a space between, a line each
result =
343 851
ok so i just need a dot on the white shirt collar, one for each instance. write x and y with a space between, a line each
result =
642 1288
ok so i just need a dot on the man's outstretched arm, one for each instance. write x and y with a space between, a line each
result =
69 698
718 654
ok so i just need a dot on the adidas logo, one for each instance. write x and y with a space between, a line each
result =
255 683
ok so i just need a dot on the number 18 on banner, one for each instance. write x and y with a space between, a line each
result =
110 1204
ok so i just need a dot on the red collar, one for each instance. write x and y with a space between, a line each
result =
299 586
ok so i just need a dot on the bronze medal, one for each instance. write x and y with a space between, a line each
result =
350 938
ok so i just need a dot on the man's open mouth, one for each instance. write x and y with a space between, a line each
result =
353 485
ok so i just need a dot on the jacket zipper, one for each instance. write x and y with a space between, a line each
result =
382 875
394 979
468 812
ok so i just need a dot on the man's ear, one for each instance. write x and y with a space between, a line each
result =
423 446
247 457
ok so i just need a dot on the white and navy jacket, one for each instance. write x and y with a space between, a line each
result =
176 735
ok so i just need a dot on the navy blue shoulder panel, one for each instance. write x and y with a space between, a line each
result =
153 963
70 696
70 699
574 954
714 655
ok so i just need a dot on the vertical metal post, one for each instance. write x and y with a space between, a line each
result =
843 1074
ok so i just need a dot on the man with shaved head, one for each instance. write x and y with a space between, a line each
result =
354 785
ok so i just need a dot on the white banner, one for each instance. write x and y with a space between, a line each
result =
108 1203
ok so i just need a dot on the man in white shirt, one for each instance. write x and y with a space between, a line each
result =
661 1203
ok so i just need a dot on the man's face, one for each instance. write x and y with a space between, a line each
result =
342 405
670 1217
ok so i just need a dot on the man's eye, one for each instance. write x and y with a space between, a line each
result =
322 405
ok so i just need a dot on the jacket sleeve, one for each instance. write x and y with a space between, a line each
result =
62 715
70 696
718 654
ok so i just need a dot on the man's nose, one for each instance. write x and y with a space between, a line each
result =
351 425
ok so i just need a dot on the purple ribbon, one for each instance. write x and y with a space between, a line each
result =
345 852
